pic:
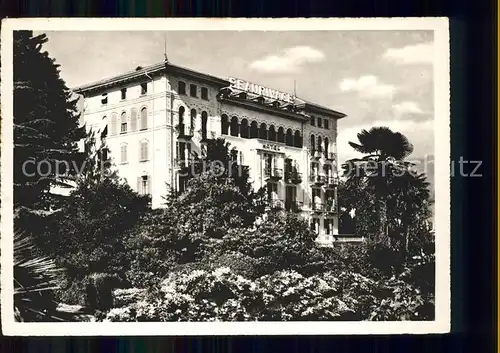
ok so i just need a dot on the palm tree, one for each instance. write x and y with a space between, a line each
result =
385 152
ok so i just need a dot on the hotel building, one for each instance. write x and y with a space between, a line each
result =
154 118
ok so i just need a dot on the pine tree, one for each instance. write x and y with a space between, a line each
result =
46 124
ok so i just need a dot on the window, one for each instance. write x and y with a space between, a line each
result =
193 119
315 225
272 133
328 226
326 124
313 143
144 88
320 122
316 195
193 90
143 153
204 120
254 130
289 137
144 185
297 139
104 99
123 125
319 147
281 135
182 183
314 168
144 118
272 191
133 120
327 142
124 93
291 195
234 126
263 131
123 154
313 121
114 124
224 124
183 150
244 132
204 93
182 87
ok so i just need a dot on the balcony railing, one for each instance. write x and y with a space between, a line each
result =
332 181
331 207
294 206
331 156
315 154
293 177
317 179
273 173
317 207
184 131
276 204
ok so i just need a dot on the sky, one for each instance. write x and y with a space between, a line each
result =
377 78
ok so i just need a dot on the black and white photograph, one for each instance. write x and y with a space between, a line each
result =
233 176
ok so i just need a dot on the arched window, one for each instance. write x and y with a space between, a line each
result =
224 124
234 126
204 120
313 143
281 135
326 146
123 125
263 131
133 120
272 133
254 130
244 128
144 118
193 119
114 124
297 139
320 144
181 117
289 137
143 150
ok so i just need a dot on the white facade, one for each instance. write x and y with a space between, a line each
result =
153 122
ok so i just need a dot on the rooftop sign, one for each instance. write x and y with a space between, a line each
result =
249 87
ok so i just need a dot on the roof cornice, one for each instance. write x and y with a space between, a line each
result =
164 67
318 109
264 108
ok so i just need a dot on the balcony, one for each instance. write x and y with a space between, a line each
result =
317 207
276 204
315 155
294 206
332 181
273 174
183 163
184 131
293 177
207 135
331 207
317 180
330 156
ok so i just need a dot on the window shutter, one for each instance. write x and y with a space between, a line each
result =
139 185
149 185
146 152
133 120
144 119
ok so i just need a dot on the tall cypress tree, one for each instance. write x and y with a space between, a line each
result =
46 124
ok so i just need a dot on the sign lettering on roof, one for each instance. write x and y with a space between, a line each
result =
259 90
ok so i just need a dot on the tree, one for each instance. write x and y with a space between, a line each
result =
46 128
385 150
